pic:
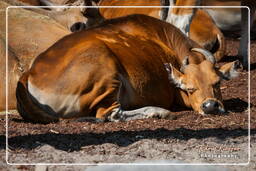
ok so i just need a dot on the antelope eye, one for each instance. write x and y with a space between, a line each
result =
191 90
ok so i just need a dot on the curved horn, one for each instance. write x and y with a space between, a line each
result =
206 53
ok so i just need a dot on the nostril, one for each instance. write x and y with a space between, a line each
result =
210 106
77 27
216 104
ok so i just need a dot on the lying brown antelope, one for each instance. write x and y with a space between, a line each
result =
127 68
30 32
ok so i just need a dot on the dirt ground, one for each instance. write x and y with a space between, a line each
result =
189 138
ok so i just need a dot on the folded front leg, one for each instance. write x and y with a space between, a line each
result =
146 112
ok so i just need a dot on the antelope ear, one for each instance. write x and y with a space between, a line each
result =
175 76
230 70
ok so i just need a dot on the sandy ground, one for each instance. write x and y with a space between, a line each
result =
189 138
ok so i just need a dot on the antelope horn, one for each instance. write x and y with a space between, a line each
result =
206 53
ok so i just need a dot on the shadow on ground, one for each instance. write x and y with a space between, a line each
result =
74 142
253 66
236 105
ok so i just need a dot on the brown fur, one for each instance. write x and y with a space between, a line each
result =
29 34
118 64
31 2
208 34
203 29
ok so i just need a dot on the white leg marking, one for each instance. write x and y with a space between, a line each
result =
180 21
171 4
141 113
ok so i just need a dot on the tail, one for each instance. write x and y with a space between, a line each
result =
27 108
219 54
